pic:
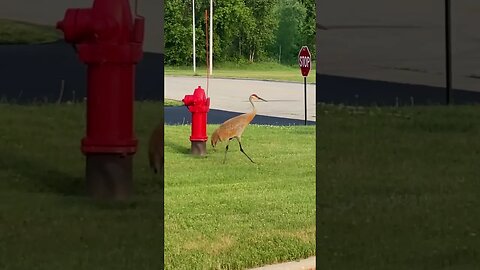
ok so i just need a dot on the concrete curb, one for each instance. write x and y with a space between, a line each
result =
305 264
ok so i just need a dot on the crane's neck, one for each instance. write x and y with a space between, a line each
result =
254 110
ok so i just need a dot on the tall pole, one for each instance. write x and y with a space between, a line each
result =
448 52
206 45
193 31
211 37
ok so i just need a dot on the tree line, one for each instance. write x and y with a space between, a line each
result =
243 30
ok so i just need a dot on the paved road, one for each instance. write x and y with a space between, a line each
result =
285 99
181 115
51 11
365 92
35 72
398 41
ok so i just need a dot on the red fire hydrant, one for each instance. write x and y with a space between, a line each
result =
109 42
198 104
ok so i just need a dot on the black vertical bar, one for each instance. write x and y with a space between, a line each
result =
448 52
305 93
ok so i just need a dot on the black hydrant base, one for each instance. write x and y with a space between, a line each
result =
199 148
109 176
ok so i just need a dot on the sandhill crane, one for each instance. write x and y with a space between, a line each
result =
234 127
155 149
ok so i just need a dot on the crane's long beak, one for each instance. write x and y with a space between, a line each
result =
262 99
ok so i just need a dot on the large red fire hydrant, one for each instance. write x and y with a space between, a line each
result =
198 104
109 42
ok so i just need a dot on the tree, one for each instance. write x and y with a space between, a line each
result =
264 25
244 30
291 14
178 50
233 23
308 30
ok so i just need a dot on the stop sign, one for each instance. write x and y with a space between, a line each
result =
304 60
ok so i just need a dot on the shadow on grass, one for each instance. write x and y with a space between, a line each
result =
41 176
177 147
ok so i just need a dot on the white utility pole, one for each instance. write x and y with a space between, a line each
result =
211 37
193 28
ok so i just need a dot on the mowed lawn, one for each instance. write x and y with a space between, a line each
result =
217 216
239 215
398 188
258 71
46 221
16 32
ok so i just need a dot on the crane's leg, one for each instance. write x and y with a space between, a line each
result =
226 149
241 150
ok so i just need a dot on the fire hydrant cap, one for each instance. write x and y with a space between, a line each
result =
200 93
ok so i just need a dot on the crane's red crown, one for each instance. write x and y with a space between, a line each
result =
257 97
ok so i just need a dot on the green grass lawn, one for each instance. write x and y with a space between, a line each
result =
259 71
172 103
238 215
46 222
398 188
15 32
217 216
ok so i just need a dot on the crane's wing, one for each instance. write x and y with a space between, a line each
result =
235 125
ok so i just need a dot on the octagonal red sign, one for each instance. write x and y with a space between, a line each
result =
304 60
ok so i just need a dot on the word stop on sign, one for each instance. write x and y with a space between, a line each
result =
304 61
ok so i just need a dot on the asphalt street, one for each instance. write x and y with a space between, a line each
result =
396 49
35 73
181 115
284 99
